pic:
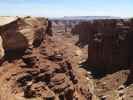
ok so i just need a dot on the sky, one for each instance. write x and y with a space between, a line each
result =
60 8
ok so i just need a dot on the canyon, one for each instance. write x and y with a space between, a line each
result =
66 59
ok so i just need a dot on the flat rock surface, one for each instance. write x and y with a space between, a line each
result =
6 20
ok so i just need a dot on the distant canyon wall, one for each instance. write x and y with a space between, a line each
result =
109 41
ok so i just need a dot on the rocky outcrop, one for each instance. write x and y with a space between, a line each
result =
109 41
44 71
38 77
20 33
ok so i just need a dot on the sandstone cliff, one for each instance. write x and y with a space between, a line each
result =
109 41
20 33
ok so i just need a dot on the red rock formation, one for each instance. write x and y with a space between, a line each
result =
41 73
21 33
108 41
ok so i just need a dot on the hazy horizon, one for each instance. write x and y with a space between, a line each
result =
61 8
